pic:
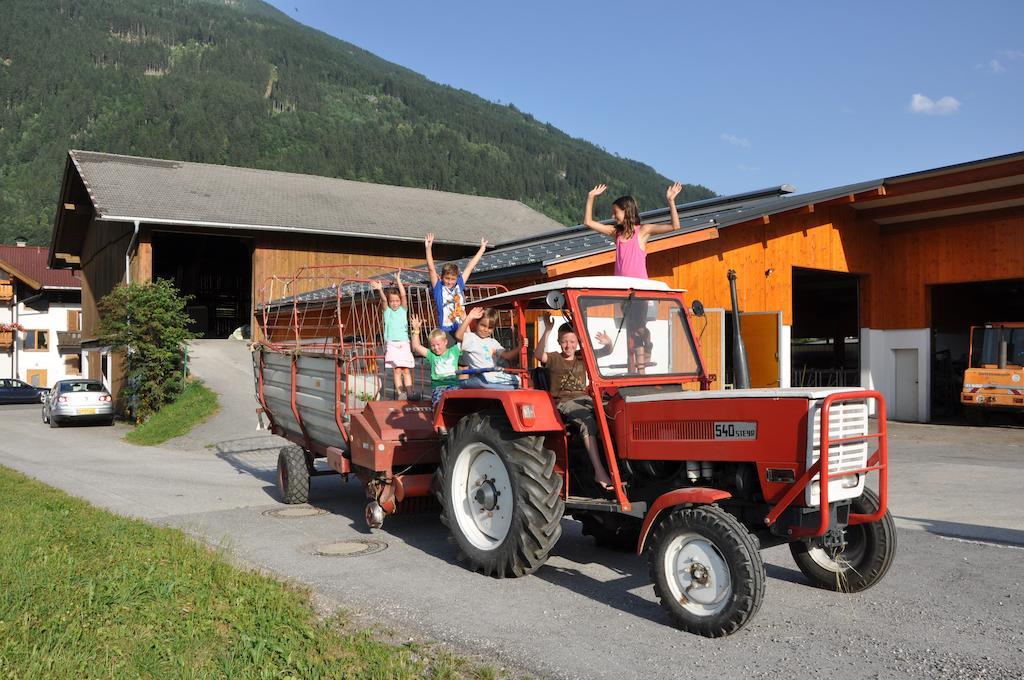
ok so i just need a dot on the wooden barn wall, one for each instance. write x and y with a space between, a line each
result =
283 254
102 267
981 247
142 258
829 238
897 265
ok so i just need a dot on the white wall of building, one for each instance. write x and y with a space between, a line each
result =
785 356
878 358
7 357
51 320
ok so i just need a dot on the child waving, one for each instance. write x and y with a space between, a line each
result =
450 287
630 236
397 350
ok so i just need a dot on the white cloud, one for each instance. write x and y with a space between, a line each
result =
941 107
1013 54
995 66
741 142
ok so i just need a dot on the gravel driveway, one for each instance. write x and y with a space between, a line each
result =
951 606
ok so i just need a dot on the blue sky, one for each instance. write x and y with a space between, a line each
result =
732 95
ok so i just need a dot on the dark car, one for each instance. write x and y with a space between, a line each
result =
13 391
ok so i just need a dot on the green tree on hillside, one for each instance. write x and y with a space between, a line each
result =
242 84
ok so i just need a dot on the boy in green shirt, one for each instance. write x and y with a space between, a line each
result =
443 360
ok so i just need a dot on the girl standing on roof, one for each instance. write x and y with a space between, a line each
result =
630 236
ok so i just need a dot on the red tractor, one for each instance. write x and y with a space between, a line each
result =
702 480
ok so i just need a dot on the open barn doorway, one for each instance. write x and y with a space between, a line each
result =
955 308
216 271
825 340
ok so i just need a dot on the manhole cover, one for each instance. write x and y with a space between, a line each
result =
292 511
353 548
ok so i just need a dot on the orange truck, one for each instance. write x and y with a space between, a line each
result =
994 379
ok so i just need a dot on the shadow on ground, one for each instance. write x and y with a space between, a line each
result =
974 532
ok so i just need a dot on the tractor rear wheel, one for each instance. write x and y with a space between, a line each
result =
293 475
862 563
707 570
610 530
500 496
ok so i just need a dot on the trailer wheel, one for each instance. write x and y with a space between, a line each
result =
610 530
499 496
867 556
292 475
707 570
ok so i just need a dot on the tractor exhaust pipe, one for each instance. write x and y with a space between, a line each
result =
740 370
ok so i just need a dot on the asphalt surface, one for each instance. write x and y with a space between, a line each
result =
952 605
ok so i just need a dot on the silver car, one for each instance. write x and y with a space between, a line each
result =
78 400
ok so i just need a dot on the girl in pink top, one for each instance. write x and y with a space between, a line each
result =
630 236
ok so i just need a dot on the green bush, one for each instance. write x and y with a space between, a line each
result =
148 324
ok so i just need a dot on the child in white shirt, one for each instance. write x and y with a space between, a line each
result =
480 349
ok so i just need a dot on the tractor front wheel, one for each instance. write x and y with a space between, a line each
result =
499 496
862 563
707 570
292 475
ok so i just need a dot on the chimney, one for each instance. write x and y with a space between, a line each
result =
21 241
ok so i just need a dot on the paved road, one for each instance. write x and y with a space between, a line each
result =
952 605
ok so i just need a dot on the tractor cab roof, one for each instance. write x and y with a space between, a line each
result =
588 283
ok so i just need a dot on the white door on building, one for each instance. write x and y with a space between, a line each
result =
907 389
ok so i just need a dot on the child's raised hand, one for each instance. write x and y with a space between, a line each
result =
603 338
549 321
428 241
598 190
416 322
476 313
376 285
483 244
673 191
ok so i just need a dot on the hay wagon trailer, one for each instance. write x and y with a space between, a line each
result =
703 480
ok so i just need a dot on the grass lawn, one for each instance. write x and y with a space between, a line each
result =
195 404
88 594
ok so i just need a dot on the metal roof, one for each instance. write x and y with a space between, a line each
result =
128 188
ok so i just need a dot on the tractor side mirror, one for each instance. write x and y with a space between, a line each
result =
697 307
555 300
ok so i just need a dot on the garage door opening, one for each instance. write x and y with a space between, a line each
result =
955 308
215 270
825 349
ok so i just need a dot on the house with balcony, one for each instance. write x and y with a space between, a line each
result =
40 317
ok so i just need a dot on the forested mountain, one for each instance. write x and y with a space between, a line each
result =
237 82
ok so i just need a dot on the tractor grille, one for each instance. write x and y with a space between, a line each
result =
846 419
674 430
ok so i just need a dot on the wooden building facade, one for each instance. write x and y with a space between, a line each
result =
219 233
874 284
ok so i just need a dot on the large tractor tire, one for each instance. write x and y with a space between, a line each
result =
867 556
293 475
499 496
707 570
610 530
